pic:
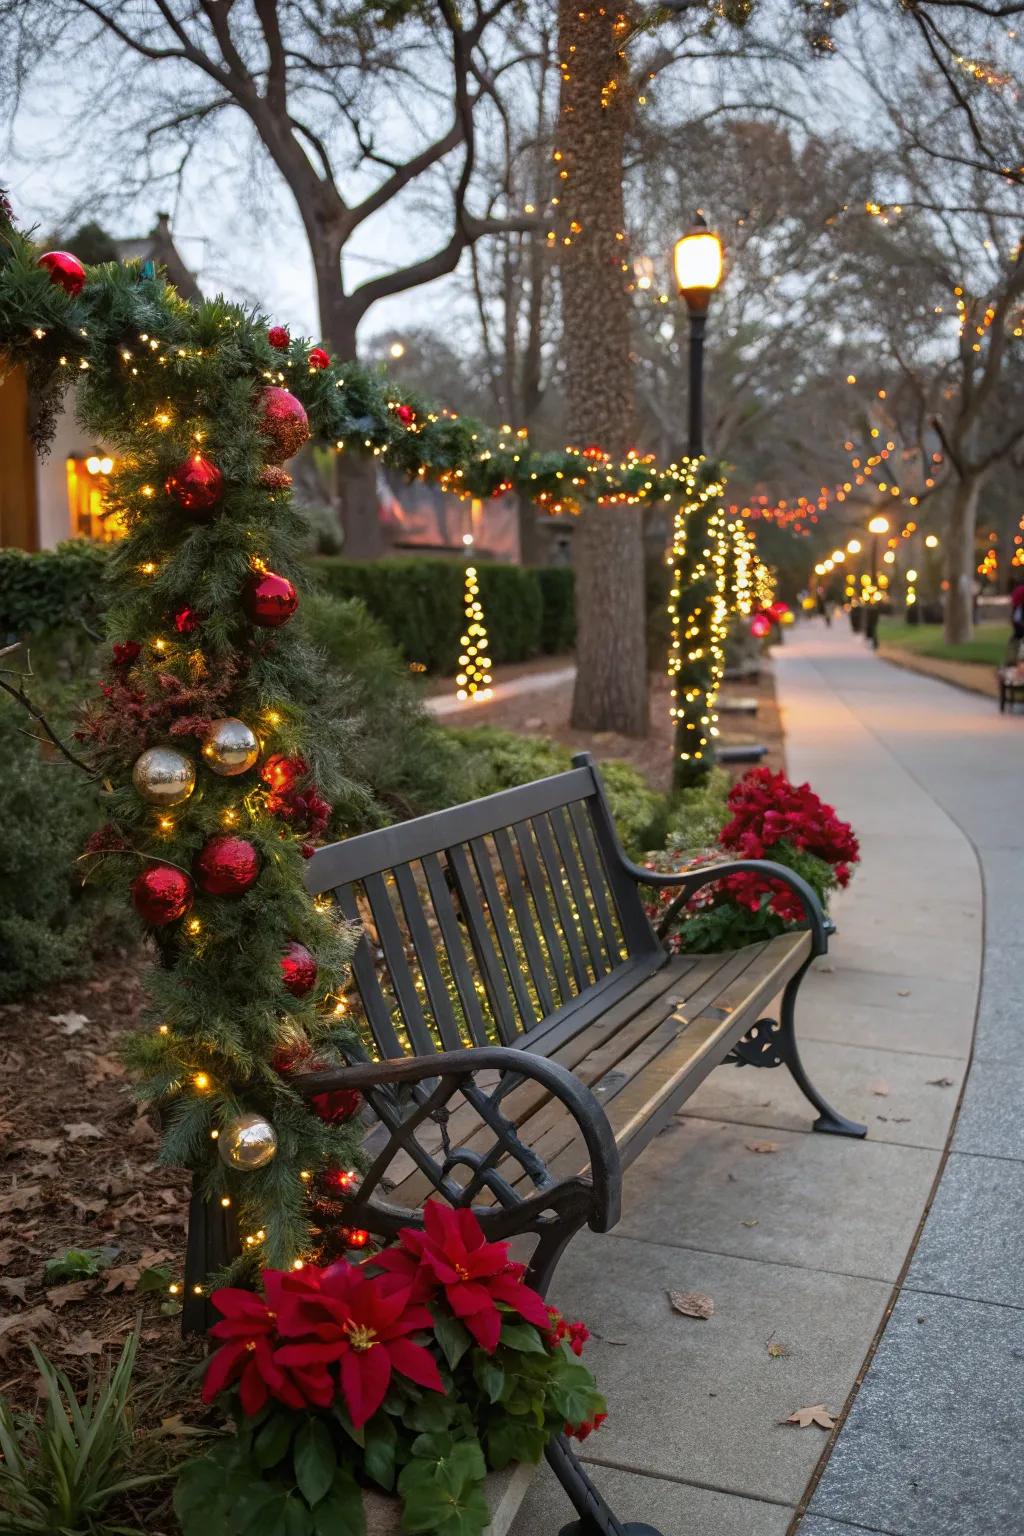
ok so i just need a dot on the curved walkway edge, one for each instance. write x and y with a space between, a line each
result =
933 1438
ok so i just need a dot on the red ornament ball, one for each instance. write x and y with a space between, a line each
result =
279 338
339 1105
196 485
281 773
227 866
186 621
760 626
269 600
283 421
405 414
65 270
318 358
161 894
298 969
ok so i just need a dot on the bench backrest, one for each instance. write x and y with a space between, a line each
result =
482 922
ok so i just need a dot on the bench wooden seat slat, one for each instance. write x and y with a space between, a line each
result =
455 949
378 1014
556 883
437 990
602 958
545 917
528 1013
404 985
621 1042
524 920
597 879
488 959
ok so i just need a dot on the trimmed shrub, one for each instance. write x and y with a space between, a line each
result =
557 585
53 590
500 759
51 927
419 600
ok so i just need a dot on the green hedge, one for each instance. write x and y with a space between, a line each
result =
419 600
56 589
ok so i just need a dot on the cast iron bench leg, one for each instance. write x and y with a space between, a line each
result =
596 1519
829 1120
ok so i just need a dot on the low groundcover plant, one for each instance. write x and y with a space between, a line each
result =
417 1371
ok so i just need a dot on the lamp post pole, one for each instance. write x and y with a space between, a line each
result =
695 443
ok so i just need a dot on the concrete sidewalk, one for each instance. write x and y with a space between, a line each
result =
802 1247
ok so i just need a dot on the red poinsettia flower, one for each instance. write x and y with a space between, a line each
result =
352 1319
249 1327
474 1274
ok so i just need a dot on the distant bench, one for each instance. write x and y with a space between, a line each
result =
1011 685
525 1031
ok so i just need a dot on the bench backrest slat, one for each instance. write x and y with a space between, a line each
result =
482 921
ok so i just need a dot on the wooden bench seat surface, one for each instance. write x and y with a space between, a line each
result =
641 1058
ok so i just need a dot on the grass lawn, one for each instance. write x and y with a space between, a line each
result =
988 647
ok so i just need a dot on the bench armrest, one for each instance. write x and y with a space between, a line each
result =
690 881
455 1066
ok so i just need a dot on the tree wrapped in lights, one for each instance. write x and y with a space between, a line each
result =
474 678
698 612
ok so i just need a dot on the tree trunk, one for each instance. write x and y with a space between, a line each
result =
355 477
611 676
960 560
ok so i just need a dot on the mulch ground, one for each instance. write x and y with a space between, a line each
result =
546 713
80 1172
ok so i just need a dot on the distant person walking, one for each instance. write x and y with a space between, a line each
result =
1017 611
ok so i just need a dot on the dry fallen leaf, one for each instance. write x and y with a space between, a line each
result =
880 1089
127 1276
75 1290
940 1082
21 1199
805 1417
15 1285
82 1130
754 1222
776 1350
83 1344
691 1303
904 994
763 1146
71 1023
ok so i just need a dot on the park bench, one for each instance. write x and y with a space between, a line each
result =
1011 685
525 1031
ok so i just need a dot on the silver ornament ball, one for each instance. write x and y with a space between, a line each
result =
247 1143
230 747
164 776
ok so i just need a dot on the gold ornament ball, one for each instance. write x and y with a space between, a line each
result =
248 1143
231 747
163 776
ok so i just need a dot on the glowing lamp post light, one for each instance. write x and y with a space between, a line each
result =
876 527
697 258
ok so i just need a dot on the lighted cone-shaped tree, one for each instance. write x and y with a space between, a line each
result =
474 677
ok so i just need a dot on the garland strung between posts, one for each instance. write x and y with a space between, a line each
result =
212 757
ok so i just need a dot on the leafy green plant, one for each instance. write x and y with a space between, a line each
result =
77 1264
499 759
415 1373
67 1472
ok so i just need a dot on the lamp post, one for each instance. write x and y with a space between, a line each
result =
697 259
876 527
